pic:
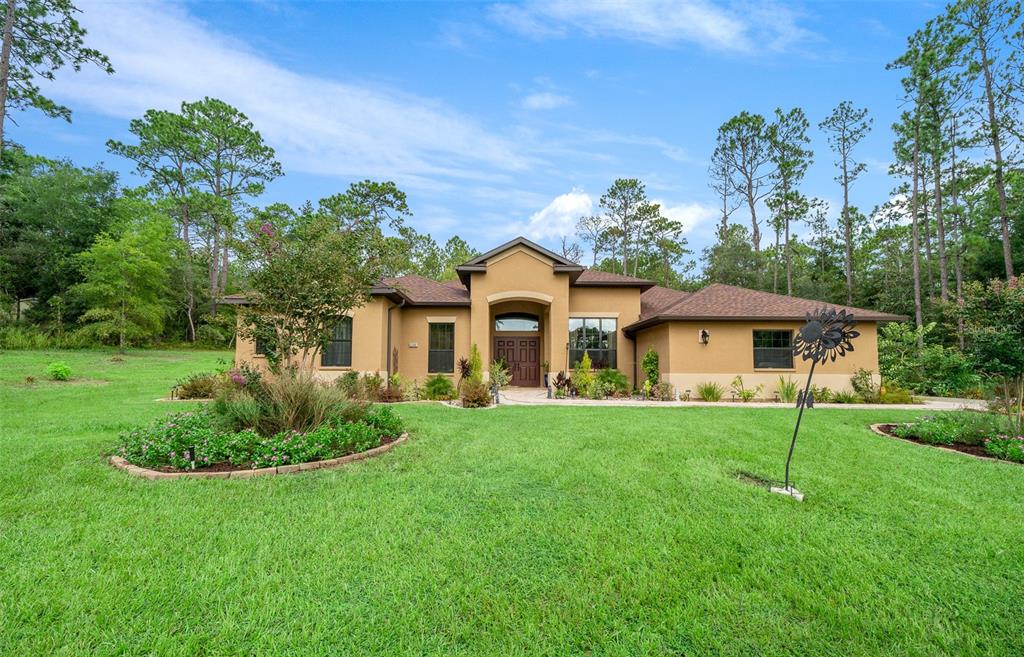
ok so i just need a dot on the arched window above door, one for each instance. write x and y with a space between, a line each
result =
520 322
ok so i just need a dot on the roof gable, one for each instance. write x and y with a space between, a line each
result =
519 241
479 263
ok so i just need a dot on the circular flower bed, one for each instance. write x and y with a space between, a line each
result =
197 440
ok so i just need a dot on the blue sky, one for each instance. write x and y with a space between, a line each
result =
496 119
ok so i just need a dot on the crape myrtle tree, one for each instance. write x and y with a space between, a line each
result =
307 269
40 37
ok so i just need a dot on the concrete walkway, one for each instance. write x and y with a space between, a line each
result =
530 396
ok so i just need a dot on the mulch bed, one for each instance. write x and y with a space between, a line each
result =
974 450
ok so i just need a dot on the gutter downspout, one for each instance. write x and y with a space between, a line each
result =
387 355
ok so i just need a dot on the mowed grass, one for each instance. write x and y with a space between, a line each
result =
515 531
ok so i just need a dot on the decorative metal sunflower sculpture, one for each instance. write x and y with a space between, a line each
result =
827 335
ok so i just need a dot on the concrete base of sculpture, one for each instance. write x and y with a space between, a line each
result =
791 492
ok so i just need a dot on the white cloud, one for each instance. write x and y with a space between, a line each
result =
688 214
559 217
317 125
545 100
740 27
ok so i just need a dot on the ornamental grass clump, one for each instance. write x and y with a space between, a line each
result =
710 391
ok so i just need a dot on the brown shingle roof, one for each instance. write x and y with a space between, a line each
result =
658 299
727 302
423 291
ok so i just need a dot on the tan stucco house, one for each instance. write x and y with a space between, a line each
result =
542 312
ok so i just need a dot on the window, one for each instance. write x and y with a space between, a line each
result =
441 348
516 322
594 336
338 352
261 347
773 350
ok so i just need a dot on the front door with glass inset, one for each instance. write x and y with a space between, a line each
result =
517 340
523 358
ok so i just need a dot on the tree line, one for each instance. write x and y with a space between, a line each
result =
954 214
120 264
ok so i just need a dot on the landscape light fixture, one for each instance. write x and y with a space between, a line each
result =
827 335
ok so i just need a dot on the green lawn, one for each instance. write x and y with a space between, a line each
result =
549 531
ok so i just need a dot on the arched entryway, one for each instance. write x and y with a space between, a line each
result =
517 328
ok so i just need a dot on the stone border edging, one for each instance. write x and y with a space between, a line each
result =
154 475
877 428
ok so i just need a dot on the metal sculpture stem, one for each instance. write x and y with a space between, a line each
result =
803 404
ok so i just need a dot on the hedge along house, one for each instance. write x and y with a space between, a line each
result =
542 312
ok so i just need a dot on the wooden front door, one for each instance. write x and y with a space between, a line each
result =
523 358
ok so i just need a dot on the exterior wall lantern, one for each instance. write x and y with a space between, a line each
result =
704 336
827 335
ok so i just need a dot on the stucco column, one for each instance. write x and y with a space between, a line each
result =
558 332
480 328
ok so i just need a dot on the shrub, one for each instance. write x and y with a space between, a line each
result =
745 394
650 366
1007 448
787 389
562 385
384 419
894 394
499 373
710 391
248 378
907 357
348 383
822 395
238 410
372 386
475 394
583 377
439 386
845 397
24 337
58 371
863 384
202 385
613 382
663 391
476 365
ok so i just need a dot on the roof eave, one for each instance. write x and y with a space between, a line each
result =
643 285
654 320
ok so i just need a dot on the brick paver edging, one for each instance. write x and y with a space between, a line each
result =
152 475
